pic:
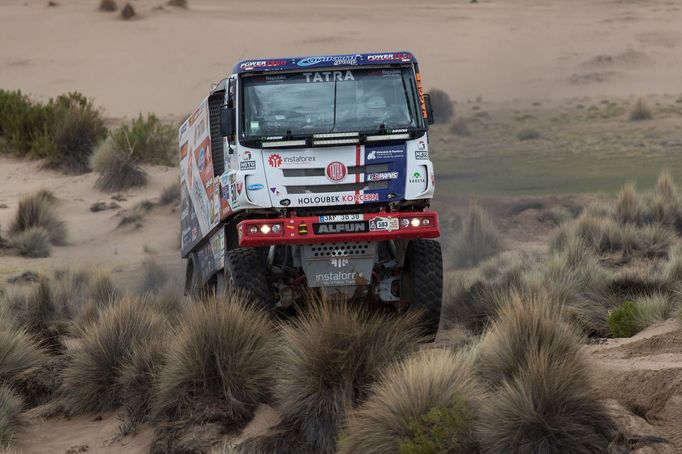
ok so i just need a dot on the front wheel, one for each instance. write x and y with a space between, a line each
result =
247 269
422 281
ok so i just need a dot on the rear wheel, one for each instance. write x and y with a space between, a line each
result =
422 281
193 285
247 269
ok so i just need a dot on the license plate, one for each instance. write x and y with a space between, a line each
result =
327 228
342 218
380 223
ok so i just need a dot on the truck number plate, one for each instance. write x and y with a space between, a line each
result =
379 223
342 218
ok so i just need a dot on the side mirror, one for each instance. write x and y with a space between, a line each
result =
429 109
226 121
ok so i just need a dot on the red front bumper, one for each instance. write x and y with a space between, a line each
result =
308 230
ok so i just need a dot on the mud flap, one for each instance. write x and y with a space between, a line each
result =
338 264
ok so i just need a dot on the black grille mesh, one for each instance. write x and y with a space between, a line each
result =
214 104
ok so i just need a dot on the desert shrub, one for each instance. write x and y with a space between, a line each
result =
329 357
103 290
63 130
33 242
150 140
178 3
219 365
171 305
18 351
528 134
118 168
11 406
280 439
108 5
41 317
640 111
135 216
478 240
549 405
137 380
426 403
79 129
443 108
38 210
128 12
170 195
91 380
558 215
527 323
653 240
634 316
459 127
639 280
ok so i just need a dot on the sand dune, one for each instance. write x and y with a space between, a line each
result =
166 60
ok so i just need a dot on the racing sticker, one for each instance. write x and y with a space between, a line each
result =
383 223
384 152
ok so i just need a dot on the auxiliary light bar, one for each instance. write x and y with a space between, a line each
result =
388 137
284 143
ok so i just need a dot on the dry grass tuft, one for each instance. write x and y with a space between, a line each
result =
18 351
138 379
178 3
628 208
640 111
91 380
38 210
548 406
34 242
527 324
425 403
170 195
117 168
330 356
128 12
108 5
219 366
11 406
478 240
543 400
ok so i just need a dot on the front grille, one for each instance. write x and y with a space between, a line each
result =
339 249
322 188
215 102
320 172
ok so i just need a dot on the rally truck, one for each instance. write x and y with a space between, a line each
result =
313 174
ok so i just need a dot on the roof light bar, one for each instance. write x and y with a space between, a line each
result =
388 137
284 143
335 135
337 141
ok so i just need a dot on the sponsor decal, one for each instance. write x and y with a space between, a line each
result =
340 262
201 159
382 176
388 152
247 165
388 57
391 195
285 202
335 60
421 155
328 76
340 227
421 146
336 171
184 128
194 233
262 64
278 190
247 155
371 197
276 160
255 187
239 187
338 277
322 199
417 177
381 223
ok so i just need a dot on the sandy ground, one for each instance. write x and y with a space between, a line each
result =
95 240
166 60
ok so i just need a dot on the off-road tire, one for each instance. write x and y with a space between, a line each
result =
247 269
422 281
193 285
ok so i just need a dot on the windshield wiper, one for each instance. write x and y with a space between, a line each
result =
334 119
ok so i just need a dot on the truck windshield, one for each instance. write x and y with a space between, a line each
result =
328 101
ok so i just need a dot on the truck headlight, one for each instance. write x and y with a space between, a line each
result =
265 229
276 228
253 230
415 222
